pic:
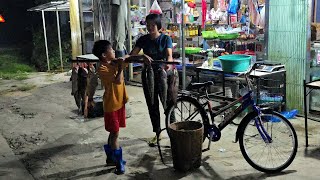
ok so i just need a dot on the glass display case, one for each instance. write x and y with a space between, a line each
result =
314 73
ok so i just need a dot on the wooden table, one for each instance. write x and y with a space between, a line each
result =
311 86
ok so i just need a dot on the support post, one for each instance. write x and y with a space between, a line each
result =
45 38
305 112
183 48
130 67
59 39
75 27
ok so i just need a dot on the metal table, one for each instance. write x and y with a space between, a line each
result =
217 71
311 85
254 74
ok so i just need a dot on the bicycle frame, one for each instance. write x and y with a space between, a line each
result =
245 101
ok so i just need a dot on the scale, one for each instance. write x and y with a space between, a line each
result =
270 67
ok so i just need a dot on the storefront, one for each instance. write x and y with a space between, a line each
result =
204 30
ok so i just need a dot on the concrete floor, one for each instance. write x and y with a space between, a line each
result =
42 138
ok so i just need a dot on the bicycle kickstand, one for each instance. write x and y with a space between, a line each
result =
210 140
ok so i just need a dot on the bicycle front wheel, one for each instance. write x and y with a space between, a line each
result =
187 109
268 144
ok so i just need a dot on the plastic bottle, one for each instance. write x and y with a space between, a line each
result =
210 60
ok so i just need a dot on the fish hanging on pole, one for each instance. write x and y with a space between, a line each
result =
147 77
163 87
173 86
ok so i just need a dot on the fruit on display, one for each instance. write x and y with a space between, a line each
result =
247 36
243 37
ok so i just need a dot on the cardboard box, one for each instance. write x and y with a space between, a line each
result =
315 31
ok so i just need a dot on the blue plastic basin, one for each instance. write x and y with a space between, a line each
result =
235 62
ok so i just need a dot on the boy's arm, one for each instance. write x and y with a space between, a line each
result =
119 76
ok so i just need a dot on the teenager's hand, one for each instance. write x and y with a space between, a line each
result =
147 59
168 67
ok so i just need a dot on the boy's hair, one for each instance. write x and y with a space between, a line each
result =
156 18
100 47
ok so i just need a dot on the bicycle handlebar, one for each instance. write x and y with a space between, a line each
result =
249 83
253 67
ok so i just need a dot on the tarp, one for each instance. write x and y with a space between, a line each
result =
119 12
111 23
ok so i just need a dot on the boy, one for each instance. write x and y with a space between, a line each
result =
115 96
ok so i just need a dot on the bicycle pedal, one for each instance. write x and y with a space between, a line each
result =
214 133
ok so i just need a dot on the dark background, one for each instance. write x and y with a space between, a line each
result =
17 28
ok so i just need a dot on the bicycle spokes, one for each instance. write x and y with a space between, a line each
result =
268 142
185 111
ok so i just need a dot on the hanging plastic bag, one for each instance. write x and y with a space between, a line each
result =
222 5
204 12
155 8
262 17
233 6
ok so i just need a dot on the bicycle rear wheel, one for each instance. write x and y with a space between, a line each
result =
273 156
187 109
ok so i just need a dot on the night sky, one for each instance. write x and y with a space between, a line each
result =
17 28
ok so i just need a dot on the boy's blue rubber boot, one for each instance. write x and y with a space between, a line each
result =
120 167
111 160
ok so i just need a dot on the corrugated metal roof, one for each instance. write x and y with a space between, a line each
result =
52 6
60 6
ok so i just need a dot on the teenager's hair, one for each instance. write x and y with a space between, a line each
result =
100 47
156 18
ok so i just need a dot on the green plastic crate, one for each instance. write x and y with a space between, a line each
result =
235 62
192 50
228 36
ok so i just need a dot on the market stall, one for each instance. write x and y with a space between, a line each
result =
202 34
202 31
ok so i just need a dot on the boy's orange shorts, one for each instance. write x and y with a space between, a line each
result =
114 120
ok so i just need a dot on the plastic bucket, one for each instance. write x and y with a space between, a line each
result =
235 62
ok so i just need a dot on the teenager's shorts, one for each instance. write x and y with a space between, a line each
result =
114 120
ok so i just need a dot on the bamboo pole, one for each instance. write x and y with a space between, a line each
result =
75 29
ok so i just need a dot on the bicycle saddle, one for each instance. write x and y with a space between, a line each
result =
200 85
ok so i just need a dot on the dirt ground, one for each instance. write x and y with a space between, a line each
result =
49 140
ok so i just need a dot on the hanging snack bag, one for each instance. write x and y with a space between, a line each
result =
233 7
155 8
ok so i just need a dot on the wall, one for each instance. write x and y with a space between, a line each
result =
287 43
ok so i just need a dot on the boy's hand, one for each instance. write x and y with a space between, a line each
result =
120 62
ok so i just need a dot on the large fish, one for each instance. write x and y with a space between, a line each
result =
173 86
163 87
147 78
74 79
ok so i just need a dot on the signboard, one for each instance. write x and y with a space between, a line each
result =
2 19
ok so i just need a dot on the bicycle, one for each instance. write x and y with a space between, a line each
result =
261 125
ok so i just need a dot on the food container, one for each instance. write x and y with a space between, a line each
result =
192 50
235 62
228 36
209 34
